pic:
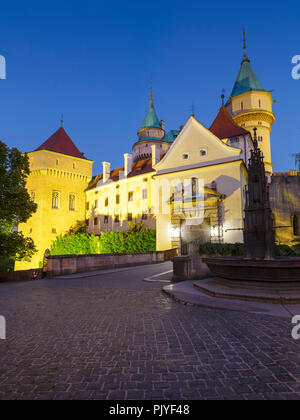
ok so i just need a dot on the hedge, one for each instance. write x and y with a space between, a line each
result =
110 242
237 250
81 243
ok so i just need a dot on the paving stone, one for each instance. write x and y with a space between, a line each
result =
114 336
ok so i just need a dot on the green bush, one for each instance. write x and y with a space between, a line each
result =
82 243
237 250
6 264
284 251
107 243
117 242
234 250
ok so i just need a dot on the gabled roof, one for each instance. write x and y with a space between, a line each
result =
246 80
224 127
60 142
151 119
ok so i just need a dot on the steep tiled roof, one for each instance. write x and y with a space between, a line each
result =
60 142
223 126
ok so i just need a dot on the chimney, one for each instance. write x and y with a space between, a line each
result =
162 124
155 154
106 171
127 163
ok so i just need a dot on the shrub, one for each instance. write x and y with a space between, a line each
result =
134 241
235 250
284 251
6 264
107 243
82 243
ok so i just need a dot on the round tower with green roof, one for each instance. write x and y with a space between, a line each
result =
250 106
152 132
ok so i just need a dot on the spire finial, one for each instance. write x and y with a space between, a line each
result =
62 120
193 109
151 94
255 138
223 96
244 43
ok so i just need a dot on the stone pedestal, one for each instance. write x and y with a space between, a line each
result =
181 268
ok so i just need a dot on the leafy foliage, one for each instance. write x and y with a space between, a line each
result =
80 243
132 241
237 250
6 264
16 205
234 250
78 227
110 242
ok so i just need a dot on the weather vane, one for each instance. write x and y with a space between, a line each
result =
151 94
244 42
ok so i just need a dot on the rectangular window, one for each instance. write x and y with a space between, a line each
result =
145 193
118 199
54 230
144 215
87 222
130 196
72 202
95 221
129 217
55 199
106 202
96 204
117 218
106 220
87 205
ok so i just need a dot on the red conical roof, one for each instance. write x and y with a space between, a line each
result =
60 142
223 126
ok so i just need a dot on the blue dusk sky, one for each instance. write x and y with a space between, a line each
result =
92 60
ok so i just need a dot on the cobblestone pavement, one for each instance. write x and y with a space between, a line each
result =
116 337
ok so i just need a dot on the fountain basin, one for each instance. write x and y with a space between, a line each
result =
242 269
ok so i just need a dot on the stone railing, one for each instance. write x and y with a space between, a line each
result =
58 265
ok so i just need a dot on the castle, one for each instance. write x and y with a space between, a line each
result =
160 180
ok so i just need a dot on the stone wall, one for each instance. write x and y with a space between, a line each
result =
21 275
69 264
285 203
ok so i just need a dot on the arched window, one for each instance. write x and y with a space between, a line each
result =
296 225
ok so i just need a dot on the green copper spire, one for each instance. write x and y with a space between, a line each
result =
247 79
151 119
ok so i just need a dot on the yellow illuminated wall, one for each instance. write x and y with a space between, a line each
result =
53 179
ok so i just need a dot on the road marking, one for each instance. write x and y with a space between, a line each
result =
151 279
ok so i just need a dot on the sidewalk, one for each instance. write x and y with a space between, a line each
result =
186 293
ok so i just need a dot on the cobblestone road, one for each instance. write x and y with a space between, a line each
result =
117 337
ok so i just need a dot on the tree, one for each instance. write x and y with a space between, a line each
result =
16 205
78 227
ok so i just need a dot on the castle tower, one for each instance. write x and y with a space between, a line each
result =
59 176
152 132
250 106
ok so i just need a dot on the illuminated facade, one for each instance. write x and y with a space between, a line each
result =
194 162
